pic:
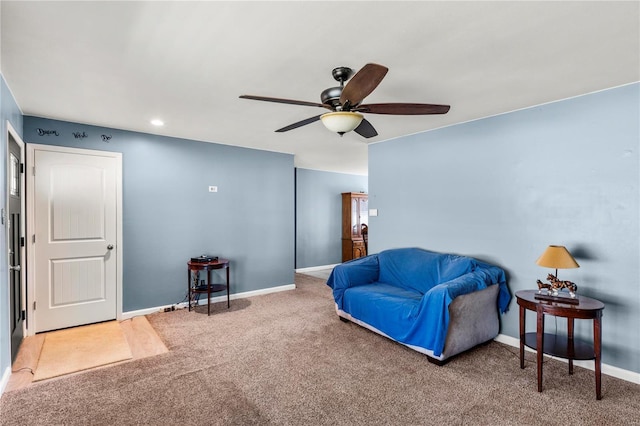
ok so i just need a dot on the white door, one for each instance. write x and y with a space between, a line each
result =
76 234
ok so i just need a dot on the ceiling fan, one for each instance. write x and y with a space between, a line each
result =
345 103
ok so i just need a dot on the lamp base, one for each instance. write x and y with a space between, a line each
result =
559 298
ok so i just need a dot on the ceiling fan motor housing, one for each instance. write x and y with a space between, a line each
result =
331 97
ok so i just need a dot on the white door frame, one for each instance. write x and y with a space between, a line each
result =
23 281
30 160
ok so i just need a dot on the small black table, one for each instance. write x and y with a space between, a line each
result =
193 274
560 346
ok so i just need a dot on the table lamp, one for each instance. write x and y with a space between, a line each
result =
557 257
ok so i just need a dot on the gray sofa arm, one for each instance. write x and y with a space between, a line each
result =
473 319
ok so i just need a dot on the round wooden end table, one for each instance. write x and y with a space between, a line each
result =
193 274
561 346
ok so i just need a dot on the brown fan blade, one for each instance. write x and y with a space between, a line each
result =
284 101
299 124
362 84
365 129
403 109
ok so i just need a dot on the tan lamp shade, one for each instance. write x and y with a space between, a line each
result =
557 257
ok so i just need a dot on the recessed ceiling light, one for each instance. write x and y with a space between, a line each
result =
157 122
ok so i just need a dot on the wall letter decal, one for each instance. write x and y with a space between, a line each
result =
43 132
80 135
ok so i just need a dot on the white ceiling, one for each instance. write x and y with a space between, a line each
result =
120 64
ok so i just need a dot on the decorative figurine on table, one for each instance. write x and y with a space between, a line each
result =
557 285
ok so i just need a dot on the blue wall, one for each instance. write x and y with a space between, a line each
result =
169 215
504 188
319 215
9 111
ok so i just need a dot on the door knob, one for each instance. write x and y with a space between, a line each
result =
110 247
14 268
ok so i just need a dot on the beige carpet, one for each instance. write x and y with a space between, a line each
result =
81 348
286 359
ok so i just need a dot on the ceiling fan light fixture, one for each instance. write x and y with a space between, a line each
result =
341 121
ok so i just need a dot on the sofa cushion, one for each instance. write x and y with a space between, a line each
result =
419 270
361 271
384 306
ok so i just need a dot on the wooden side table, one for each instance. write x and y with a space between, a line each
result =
560 346
193 274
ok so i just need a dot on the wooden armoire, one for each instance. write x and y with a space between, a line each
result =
355 212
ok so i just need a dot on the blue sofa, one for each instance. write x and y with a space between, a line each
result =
438 304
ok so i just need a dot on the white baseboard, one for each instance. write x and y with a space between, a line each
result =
607 369
5 379
183 305
316 268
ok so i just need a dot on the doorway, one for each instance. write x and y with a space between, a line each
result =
75 228
15 238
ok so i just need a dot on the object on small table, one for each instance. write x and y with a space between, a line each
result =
205 258
557 257
553 290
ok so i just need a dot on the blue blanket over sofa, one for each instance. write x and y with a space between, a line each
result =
405 293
